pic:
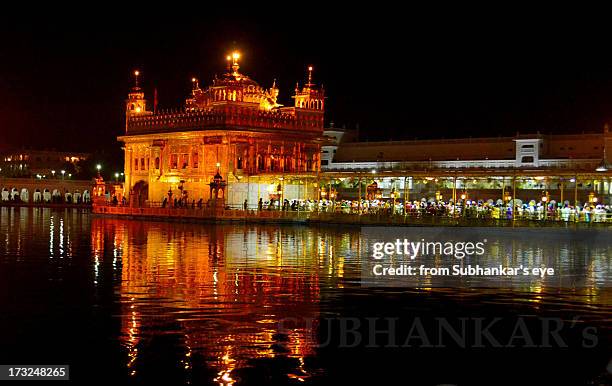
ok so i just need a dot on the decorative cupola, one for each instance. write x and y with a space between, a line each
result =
136 103
309 97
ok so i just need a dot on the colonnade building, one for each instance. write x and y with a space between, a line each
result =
564 167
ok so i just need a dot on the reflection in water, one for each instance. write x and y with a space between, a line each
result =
220 290
220 304
23 228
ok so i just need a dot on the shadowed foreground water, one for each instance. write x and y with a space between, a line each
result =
145 302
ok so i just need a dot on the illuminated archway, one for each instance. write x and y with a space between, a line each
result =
24 195
140 192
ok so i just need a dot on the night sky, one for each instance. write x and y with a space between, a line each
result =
397 74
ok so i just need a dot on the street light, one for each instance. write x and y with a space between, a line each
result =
53 172
63 173
603 165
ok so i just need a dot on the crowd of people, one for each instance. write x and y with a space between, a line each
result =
489 209
476 209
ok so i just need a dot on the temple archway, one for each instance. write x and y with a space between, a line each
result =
46 195
140 193
24 195
37 196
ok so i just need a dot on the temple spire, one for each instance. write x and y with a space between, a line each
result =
235 65
136 75
195 84
309 84
228 58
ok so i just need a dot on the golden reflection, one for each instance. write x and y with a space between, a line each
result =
229 295
225 292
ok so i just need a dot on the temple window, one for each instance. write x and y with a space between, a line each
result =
260 162
239 163
142 164
136 164
184 161
157 163
527 159
195 160
173 161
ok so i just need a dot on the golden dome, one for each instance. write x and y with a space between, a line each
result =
234 88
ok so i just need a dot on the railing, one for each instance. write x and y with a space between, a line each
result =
231 116
203 213
381 217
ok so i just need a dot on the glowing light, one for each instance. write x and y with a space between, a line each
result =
98 166
136 72
236 55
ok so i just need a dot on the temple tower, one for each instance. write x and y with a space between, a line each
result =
136 103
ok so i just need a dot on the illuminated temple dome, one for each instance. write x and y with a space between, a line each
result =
233 87
226 131
233 99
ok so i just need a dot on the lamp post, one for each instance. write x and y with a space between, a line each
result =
464 197
63 174
98 168
545 198
53 173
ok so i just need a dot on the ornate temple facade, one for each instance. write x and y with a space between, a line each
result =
232 141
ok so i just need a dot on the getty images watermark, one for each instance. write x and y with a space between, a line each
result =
442 332
477 257
412 249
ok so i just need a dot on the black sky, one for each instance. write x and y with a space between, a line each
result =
397 73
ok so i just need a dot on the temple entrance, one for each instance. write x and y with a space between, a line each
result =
140 193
